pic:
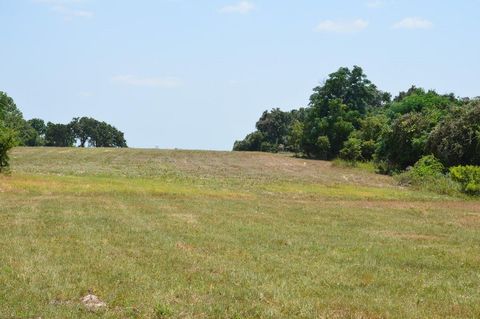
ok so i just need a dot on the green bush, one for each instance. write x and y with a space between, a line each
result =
7 141
368 149
468 177
428 174
352 150
428 166
323 145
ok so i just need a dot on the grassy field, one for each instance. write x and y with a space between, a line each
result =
191 234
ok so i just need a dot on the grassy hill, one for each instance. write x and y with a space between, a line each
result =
193 234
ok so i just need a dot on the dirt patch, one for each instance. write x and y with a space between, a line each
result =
188 218
184 246
409 236
470 220
93 303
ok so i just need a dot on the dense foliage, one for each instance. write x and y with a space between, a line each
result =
276 131
15 130
348 117
7 141
468 177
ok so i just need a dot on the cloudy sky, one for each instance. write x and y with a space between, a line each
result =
198 73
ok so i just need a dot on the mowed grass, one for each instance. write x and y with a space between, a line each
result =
191 234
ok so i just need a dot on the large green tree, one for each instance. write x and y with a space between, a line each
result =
274 132
96 133
336 109
59 135
11 121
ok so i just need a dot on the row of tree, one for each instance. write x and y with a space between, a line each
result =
349 117
85 131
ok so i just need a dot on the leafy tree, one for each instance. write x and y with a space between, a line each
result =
295 136
412 90
352 150
35 133
7 141
251 143
9 113
336 109
417 100
414 115
334 124
59 135
372 128
456 140
352 88
405 143
13 119
96 133
105 135
83 129
38 125
323 147
274 125
274 132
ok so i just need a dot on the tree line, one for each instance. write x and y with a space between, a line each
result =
83 131
350 118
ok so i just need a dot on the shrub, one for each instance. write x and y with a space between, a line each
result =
468 177
323 145
456 140
352 150
428 174
368 149
405 143
7 141
428 166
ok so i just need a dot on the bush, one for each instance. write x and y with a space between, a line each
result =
468 177
428 166
405 143
368 149
323 145
352 150
7 141
456 140
428 174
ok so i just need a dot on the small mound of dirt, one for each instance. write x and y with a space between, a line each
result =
92 302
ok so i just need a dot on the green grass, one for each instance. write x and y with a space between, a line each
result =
191 234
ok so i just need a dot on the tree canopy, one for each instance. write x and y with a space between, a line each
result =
349 117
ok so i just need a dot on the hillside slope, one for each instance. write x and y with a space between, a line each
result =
195 234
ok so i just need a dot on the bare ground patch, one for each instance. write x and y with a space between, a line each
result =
409 236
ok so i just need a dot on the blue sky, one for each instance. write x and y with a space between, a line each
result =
197 74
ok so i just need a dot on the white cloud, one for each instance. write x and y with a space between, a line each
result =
242 7
342 26
375 3
69 14
413 23
66 8
157 82
58 2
